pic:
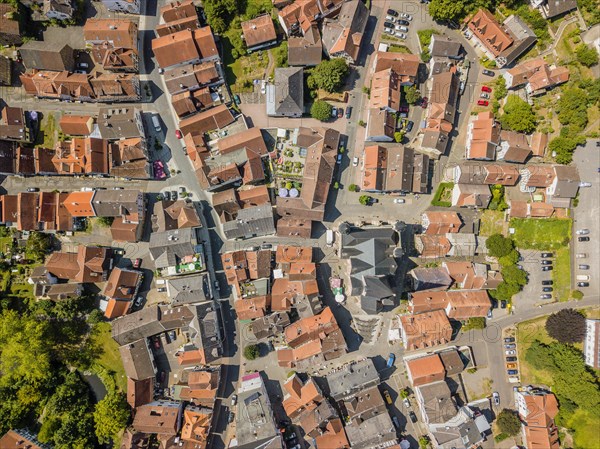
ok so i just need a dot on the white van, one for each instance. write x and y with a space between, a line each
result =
156 123
583 277
329 237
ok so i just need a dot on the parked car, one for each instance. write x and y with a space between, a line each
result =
339 159
137 263
413 417
403 22
403 109
486 89
582 232
583 239
172 336
511 365
230 417
581 255
390 18
388 30
33 189
388 25
510 352
503 304
406 16
138 301
181 190
511 359
490 315
546 262
424 102
156 341
393 13
348 111
266 246
482 102
401 28
488 72
547 268
334 112
409 126
547 282
485 95
545 296
399 201
396 422
547 255
512 372
583 284
174 195
585 184
167 195
509 340
233 400
161 289
547 289
355 161
400 35
406 403
583 267
178 134
510 346
388 398
163 376
340 112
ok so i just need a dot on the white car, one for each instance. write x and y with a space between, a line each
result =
585 184
406 16
582 232
390 19
355 161
401 28
400 35
485 95
388 31
399 201
510 352
263 87
496 397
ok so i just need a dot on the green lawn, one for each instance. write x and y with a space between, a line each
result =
527 333
48 131
561 275
398 49
109 356
583 424
492 222
541 234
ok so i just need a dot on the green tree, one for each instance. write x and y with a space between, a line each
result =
111 416
500 90
411 94
251 352
329 75
398 136
572 108
219 13
498 245
424 442
281 55
514 275
474 323
38 245
586 55
443 10
565 147
506 291
364 199
518 115
321 110
510 259
353 188
508 422
566 326
95 317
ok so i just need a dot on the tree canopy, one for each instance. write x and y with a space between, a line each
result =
329 75
321 110
565 147
572 108
412 94
251 352
518 115
508 422
566 326
586 55
498 245
443 10
110 416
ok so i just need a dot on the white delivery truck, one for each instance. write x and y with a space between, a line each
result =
329 237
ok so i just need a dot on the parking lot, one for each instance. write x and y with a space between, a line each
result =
530 295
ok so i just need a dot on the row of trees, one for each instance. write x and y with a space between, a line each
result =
444 10
514 278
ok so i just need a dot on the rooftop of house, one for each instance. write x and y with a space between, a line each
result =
259 30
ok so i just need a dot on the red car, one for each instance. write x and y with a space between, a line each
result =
483 102
178 134
156 342
403 109
486 89
424 102
137 263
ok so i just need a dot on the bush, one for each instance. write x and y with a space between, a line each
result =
251 352
498 245
566 326
398 136
586 55
498 202
105 222
364 199
321 110
474 323
353 188
425 37
577 294
500 90
411 94
508 422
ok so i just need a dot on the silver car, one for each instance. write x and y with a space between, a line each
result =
400 35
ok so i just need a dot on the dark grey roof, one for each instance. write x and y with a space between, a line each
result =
352 378
558 7
374 431
306 50
443 46
567 181
250 222
137 325
452 361
430 278
524 38
137 361
187 289
376 294
115 203
43 56
115 123
438 404
471 173
286 95
169 247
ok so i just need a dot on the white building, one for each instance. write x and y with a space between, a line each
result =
591 344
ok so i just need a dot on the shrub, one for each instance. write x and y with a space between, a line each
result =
508 422
577 294
586 55
321 110
353 188
251 352
364 199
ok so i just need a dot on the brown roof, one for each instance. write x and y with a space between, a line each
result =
211 119
121 32
288 226
539 141
122 284
157 417
306 50
76 125
79 204
14 439
432 246
540 175
425 330
254 196
191 76
404 64
381 123
9 25
250 308
441 222
465 304
301 13
484 136
88 264
506 175
184 46
424 370
491 34
259 31
185 103
176 10
140 392
185 23
540 429
250 139
386 90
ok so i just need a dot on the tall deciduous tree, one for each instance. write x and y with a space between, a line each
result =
508 422
566 326
111 416
498 245
321 110
329 75
443 10
518 115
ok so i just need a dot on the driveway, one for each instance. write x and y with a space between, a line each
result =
586 215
